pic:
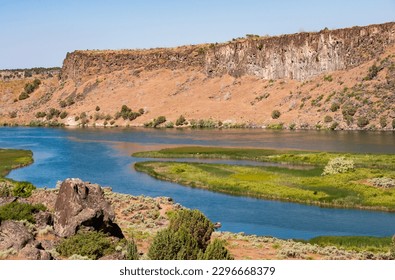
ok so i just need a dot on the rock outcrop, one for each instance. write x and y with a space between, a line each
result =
81 204
297 56
14 235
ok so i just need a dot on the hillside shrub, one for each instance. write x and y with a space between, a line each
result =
383 182
97 108
20 211
93 245
362 121
216 251
63 114
195 223
131 251
24 95
335 106
372 72
41 114
383 121
181 121
159 120
23 189
63 104
328 119
276 114
393 123
338 165
349 110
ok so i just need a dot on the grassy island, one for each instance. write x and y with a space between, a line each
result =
305 177
12 159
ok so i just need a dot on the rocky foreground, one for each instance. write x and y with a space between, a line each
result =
76 207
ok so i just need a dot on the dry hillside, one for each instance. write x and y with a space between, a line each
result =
332 79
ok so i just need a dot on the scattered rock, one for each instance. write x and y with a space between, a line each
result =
82 204
14 235
31 252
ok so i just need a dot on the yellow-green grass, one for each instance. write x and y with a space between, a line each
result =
280 183
385 161
11 159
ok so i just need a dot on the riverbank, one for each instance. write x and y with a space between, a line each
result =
300 179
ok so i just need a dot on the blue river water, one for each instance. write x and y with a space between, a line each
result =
103 156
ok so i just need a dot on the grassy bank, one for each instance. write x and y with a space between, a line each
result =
350 189
271 155
11 159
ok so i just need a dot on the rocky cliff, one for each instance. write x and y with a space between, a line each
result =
297 56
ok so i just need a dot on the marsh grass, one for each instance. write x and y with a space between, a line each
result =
11 159
355 243
348 190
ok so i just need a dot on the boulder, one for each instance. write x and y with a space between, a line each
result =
14 235
31 252
82 205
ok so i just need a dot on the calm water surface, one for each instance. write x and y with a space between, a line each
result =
103 156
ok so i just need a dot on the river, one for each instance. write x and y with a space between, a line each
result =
103 156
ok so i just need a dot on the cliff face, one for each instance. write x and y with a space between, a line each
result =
297 56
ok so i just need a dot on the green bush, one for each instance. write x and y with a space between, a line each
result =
328 78
181 120
131 251
63 114
335 106
328 119
20 211
174 245
63 104
159 120
383 121
362 122
216 251
338 165
169 125
23 95
372 72
196 223
23 189
276 114
97 108
41 114
93 245
334 125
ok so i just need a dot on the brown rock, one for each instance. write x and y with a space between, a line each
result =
82 204
31 252
14 234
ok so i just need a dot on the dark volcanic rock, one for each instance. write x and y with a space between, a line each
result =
81 204
14 235
31 252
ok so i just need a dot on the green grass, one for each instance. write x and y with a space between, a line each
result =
11 159
270 155
20 211
356 243
308 186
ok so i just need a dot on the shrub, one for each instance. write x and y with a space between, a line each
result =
169 125
20 211
338 165
276 114
13 114
159 120
195 223
97 108
328 119
23 95
335 106
372 72
53 113
76 118
91 244
383 121
393 123
383 182
392 251
334 125
362 121
181 120
349 110
63 104
23 189
216 251
63 114
328 78
141 111
70 101
131 251
40 114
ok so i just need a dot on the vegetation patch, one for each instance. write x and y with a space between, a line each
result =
298 178
20 211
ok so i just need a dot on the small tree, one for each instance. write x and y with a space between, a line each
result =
180 121
216 251
276 114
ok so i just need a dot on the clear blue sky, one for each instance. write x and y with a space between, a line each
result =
41 32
